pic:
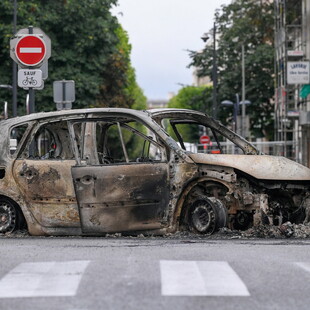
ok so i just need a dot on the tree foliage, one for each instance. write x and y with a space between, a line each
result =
192 97
88 46
130 92
195 98
249 23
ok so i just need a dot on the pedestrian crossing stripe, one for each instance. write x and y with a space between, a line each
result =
43 279
200 278
178 278
305 266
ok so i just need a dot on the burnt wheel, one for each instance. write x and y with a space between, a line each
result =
207 215
10 216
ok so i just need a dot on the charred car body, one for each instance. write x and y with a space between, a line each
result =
98 171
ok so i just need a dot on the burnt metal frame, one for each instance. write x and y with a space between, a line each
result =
175 122
76 152
203 119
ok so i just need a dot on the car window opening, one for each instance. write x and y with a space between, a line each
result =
116 142
188 132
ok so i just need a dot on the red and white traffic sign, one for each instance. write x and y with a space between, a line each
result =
30 50
31 47
204 139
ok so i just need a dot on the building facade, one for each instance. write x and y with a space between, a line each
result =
292 84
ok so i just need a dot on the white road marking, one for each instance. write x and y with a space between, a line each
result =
200 278
305 266
43 279
30 50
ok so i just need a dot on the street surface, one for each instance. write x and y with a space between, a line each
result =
153 273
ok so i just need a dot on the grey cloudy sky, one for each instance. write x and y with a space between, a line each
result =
160 32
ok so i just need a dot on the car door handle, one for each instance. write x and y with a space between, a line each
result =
86 179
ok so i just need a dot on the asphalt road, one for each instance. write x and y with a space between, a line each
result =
155 273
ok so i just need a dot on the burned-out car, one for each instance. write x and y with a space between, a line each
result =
98 171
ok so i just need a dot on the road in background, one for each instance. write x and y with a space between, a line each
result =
153 273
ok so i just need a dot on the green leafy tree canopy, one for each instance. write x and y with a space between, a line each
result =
248 23
195 98
88 46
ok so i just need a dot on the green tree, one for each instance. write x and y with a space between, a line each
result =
192 97
86 47
249 23
122 89
124 85
195 98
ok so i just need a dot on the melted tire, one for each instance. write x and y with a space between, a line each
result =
207 215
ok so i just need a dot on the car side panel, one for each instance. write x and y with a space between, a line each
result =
47 187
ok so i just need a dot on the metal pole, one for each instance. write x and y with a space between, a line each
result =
63 95
27 104
214 75
31 101
5 110
235 116
31 90
236 111
14 68
243 131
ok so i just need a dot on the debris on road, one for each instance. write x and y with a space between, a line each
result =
286 230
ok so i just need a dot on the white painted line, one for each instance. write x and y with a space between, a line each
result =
181 278
43 279
305 266
222 280
200 278
30 50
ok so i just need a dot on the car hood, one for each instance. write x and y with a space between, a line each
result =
263 167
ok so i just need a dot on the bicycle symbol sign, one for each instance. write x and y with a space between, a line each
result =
29 78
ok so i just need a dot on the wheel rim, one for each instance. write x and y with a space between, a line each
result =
7 217
203 218
207 215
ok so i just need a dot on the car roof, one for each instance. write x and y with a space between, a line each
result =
5 125
57 114
46 115
173 110
154 113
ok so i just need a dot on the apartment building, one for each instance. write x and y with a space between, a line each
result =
292 80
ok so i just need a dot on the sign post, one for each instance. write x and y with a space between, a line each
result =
205 140
30 78
30 48
64 94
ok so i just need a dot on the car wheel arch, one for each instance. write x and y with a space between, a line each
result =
30 224
20 220
182 204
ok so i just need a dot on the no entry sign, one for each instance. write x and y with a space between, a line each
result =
204 139
30 50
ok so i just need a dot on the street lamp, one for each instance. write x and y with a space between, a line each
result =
205 38
236 111
243 84
235 107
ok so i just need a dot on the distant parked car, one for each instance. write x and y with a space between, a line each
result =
97 171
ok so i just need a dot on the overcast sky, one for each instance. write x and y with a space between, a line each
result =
160 32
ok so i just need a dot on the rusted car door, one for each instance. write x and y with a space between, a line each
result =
43 174
117 193
116 198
